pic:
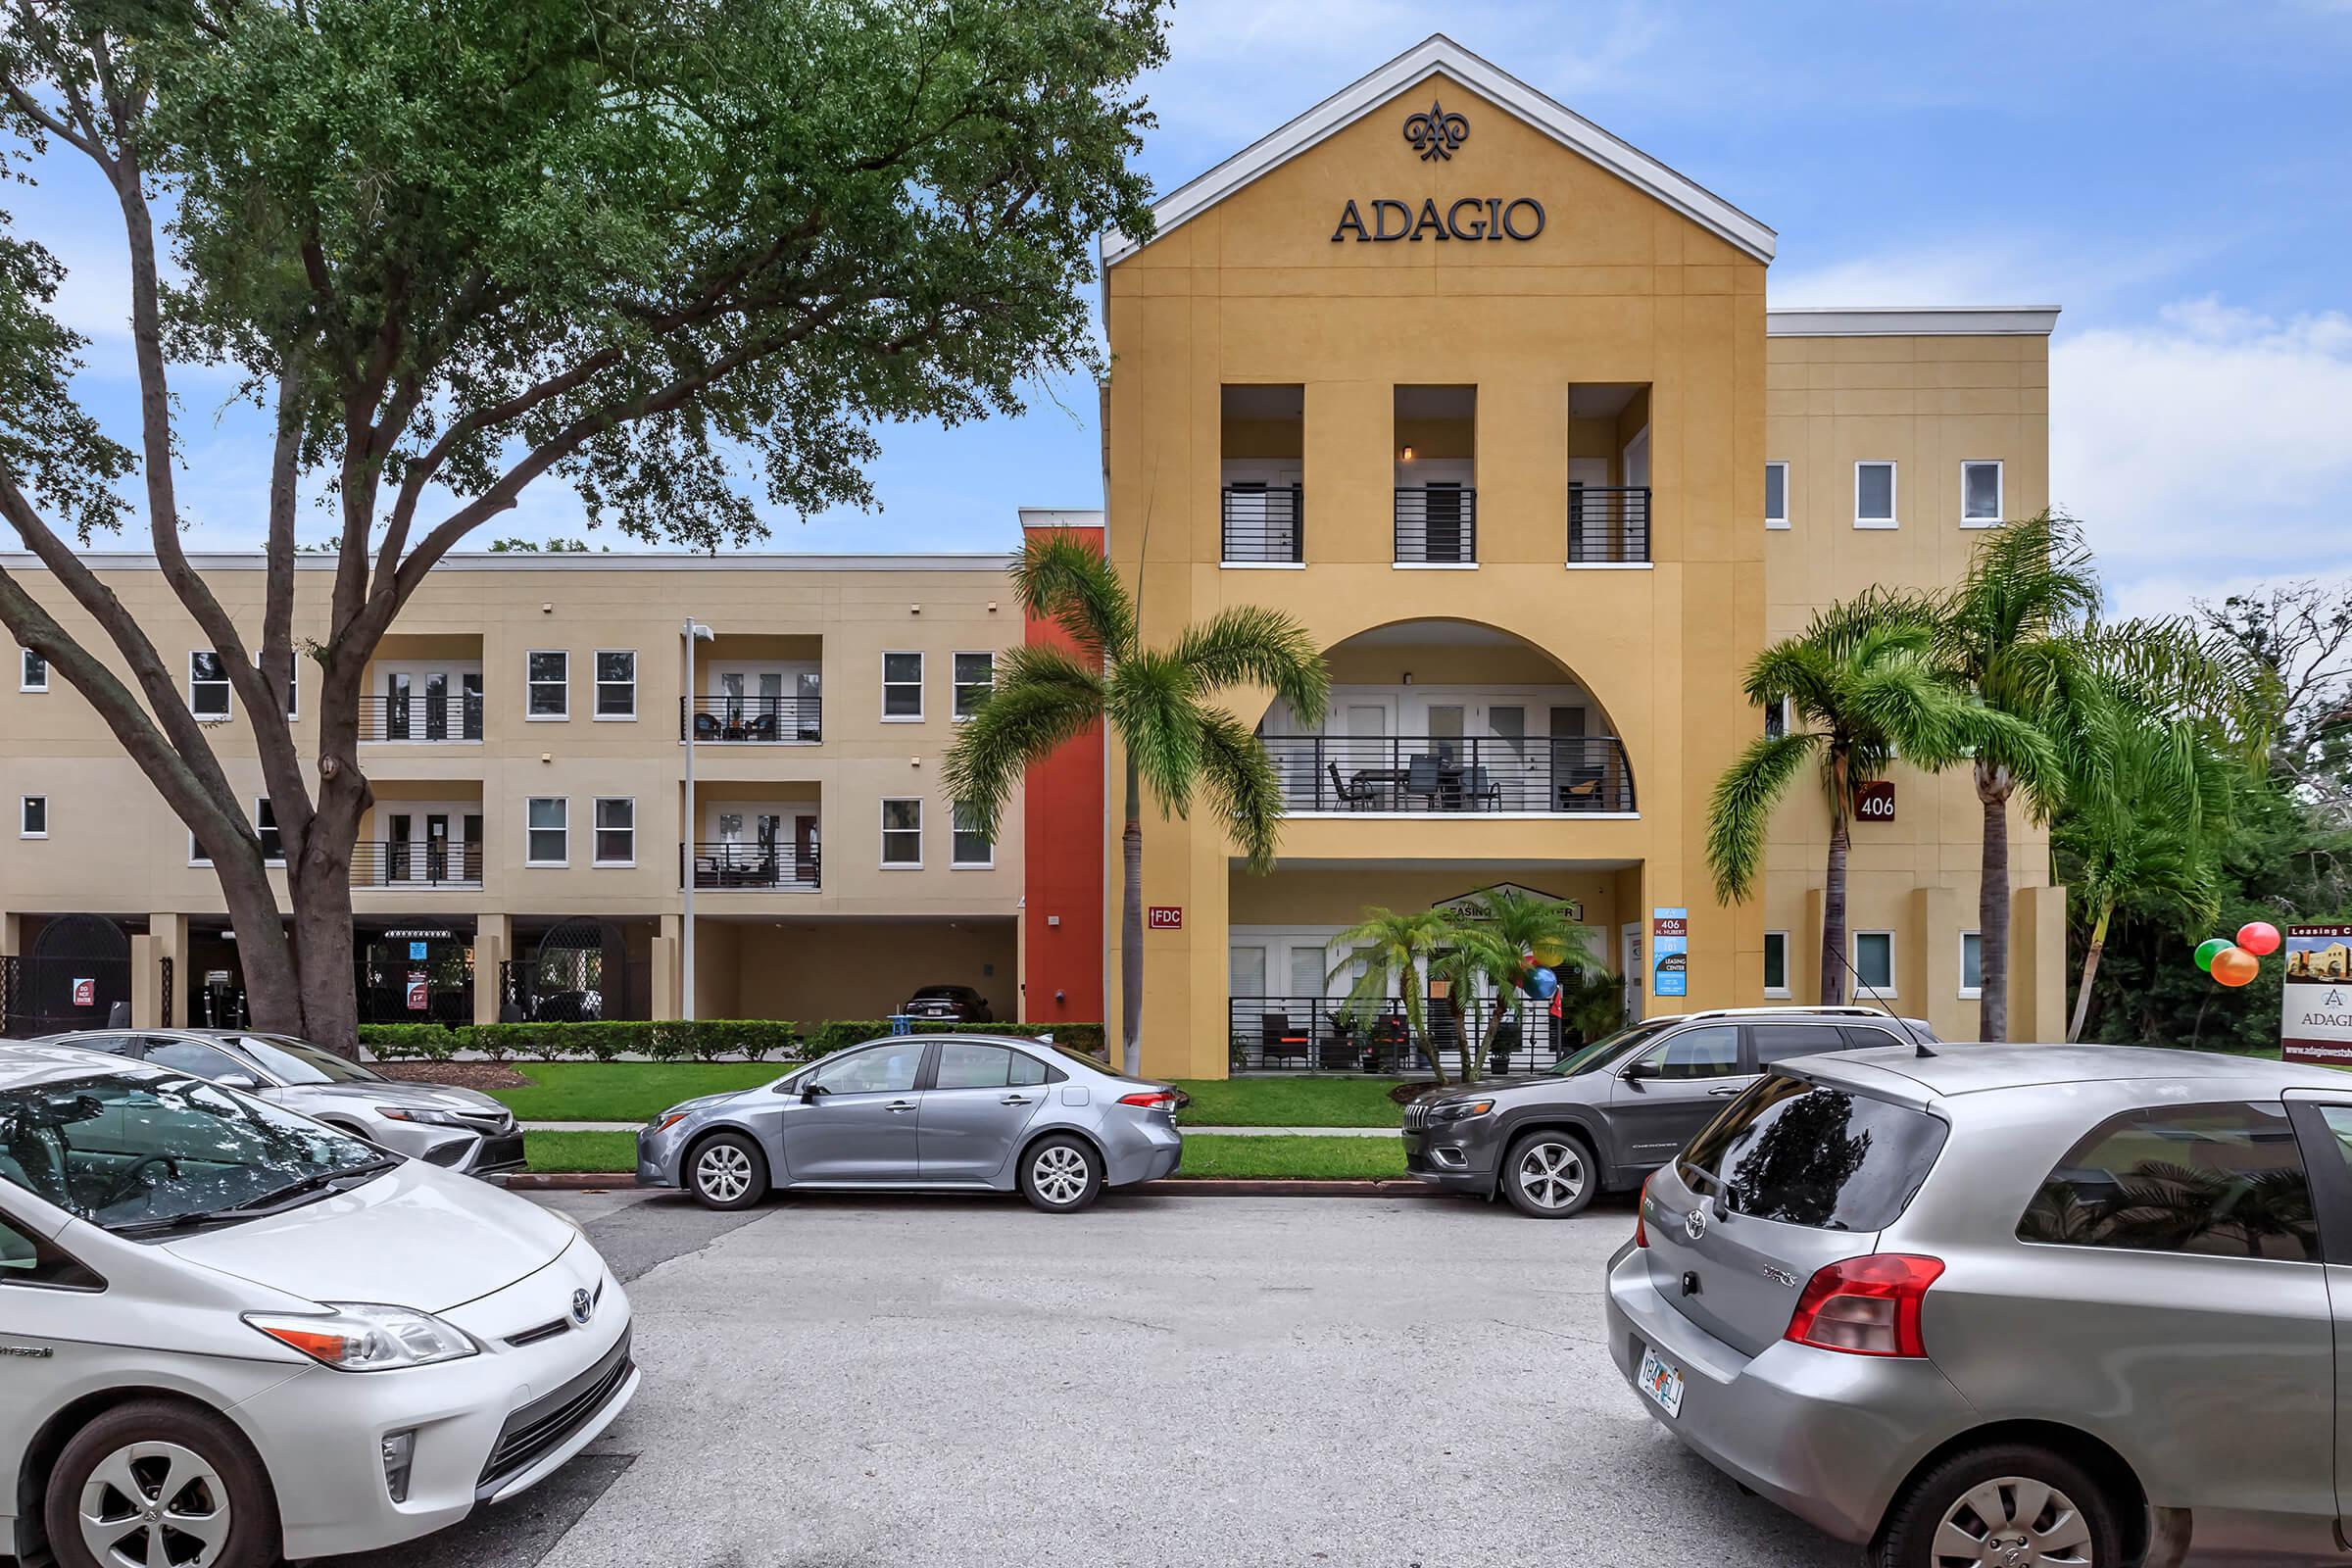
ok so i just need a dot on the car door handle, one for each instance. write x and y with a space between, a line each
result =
1727 1089
1014 1100
902 1105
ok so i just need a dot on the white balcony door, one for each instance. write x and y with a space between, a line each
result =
1247 969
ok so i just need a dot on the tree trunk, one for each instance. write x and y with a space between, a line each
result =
1131 930
2091 969
1462 1043
1994 789
1833 915
273 1000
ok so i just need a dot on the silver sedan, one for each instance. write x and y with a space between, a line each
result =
923 1113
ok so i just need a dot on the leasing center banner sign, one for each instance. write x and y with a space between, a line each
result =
2316 1022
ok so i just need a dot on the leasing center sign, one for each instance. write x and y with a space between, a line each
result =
2316 1021
1436 135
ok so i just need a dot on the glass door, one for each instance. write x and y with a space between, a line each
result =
436 847
396 705
470 719
436 706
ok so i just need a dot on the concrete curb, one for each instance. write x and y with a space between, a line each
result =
1175 1187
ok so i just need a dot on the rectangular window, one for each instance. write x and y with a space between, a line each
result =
1980 494
902 686
549 676
1874 494
616 831
1776 719
265 827
1971 964
974 850
1776 495
617 683
903 833
208 685
975 678
196 854
2221 1180
1874 960
549 832
1776 963
33 672
32 822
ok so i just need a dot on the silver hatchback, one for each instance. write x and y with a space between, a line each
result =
2012 1304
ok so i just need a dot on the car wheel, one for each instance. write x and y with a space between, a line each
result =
1550 1174
2004 1504
154 1482
728 1170
1061 1175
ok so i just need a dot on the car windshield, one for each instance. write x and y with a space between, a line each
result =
1608 1047
129 1150
297 1061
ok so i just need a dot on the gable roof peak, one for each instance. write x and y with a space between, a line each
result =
1438 55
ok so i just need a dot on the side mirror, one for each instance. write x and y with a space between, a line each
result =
810 1092
1635 1071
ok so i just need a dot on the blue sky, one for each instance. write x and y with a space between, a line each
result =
2178 176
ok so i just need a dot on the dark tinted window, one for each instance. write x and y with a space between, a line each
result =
186 1056
2226 1180
973 1066
1860 1035
1778 1042
1711 1052
1812 1154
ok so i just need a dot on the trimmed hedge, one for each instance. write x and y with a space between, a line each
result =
702 1040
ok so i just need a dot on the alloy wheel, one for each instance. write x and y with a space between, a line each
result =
1551 1175
723 1172
155 1506
1059 1174
2014 1522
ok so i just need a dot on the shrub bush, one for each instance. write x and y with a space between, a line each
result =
673 1040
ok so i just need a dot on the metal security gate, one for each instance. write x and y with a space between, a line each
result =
77 976
579 974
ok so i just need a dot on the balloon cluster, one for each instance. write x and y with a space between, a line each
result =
2234 964
1541 981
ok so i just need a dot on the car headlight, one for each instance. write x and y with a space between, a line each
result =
1460 1109
665 1121
366 1337
422 1116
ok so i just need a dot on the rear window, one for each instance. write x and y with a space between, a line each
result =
1817 1156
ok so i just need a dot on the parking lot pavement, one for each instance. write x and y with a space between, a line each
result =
836 1382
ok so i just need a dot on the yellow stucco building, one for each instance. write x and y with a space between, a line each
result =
1497 406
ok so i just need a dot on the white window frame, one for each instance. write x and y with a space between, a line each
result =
25 808
596 674
597 831
529 718
1895 493
261 804
956 706
1783 989
564 801
922 674
1969 993
1780 521
293 681
883 849
1853 944
196 854
25 657
2000 492
955 860
1786 711
228 692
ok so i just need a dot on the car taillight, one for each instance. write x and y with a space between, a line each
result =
1157 1100
1866 1305
1640 1231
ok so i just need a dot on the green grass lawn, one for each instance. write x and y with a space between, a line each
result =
623 1091
1291 1103
1287 1158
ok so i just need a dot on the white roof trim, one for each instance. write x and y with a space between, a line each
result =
1433 54
1931 320
548 560
1062 517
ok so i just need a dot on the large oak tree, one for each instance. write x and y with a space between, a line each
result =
681 254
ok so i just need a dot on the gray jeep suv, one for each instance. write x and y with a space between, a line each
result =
1612 1112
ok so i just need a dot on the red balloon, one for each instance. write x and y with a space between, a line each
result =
2234 966
2257 937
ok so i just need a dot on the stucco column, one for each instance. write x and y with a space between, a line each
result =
167 938
1804 957
1936 916
2038 977
661 967
146 984
11 934
493 946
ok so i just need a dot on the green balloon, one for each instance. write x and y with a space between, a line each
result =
2209 950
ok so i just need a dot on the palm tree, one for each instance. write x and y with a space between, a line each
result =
1493 940
1396 951
1177 743
1859 686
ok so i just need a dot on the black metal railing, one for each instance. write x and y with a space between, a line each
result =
49 994
1607 524
418 717
433 863
751 719
1263 522
754 867
169 986
1423 774
1436 525
1321 1034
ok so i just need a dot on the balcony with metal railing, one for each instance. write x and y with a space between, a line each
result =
734 867
421 717
420 867
1437 526
1262 524
1439 775
1324 1033
1609 526
772 720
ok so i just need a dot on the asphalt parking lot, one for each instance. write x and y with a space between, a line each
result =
836 1382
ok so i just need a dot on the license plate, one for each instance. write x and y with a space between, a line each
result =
1662 1380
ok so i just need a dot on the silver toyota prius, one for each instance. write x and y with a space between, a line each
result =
923 1113
2012 1304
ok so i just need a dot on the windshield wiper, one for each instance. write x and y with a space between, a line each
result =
177 1222
307 1184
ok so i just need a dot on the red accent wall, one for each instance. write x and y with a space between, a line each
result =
1062 875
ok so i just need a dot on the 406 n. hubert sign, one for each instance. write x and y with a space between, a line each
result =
1491 217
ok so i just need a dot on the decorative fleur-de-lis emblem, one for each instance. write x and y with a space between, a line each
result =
1437 133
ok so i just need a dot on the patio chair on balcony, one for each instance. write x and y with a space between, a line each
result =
705 727
1582 790
1354 796
1421 778
761 727
1276 1041
1481 790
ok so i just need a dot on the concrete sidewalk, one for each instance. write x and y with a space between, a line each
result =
1189 1132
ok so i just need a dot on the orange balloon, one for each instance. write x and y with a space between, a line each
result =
2234 966
2257 937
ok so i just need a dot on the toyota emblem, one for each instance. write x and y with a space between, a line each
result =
1694 1223
582 1305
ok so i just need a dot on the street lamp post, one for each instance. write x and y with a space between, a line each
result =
694 631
